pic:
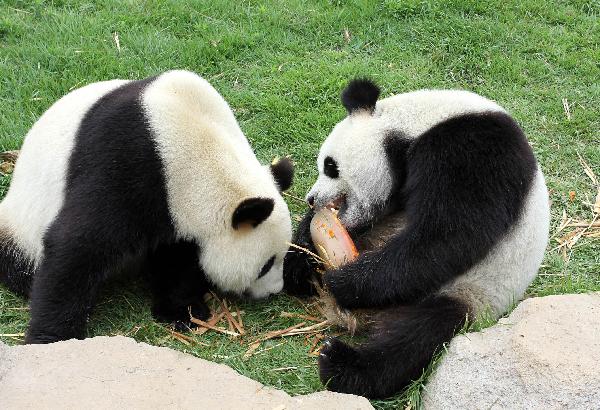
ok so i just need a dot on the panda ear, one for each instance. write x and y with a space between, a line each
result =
252 212
283 172
360 94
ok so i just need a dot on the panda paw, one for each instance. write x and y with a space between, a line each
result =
199 311
340 367
298 273
179 318
39 337
341 285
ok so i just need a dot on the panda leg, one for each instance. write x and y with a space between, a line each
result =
62 295
399 349
178 285
16 269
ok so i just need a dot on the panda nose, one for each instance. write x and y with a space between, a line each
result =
311 200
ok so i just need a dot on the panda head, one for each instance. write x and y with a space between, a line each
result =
246 256
354 171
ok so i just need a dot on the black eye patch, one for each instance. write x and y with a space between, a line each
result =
265 269
330 168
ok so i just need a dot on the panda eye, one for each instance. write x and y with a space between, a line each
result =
267 267
330 168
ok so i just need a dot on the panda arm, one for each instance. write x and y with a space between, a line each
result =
467 180
402 271
299 269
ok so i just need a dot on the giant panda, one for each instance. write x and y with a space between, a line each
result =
447 184
151 175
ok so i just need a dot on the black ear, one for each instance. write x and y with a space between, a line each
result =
252 211
283 172
360 94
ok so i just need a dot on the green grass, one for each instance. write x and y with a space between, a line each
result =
281 65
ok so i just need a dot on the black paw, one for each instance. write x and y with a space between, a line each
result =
179 317
199 311
339 283
40 339
182 327
340 367
299 270
36 337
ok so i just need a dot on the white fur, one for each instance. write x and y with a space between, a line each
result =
210 168
36 191
500 280
416 112
356 143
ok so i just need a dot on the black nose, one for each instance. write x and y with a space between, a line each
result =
311 200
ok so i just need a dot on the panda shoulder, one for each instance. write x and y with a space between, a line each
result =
185 91
183 85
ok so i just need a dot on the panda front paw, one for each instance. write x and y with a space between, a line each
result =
341 284
179 317
197 311
299 271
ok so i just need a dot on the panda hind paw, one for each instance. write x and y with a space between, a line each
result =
340 367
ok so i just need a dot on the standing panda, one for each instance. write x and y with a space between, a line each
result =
449 185
154 175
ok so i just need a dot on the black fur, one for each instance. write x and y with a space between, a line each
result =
114 212
299 267
462 186
399 348
360 94
266 267
178 284
466 182
16 271
283 172
330 168
252 211
396 148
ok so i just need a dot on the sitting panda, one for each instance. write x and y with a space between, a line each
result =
151 175
448 186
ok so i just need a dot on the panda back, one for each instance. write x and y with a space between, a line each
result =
416 112
208 163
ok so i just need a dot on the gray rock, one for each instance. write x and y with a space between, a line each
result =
117 372
545 355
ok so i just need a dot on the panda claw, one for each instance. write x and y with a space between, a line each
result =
180 326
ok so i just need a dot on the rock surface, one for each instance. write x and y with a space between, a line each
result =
117 372
545 355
